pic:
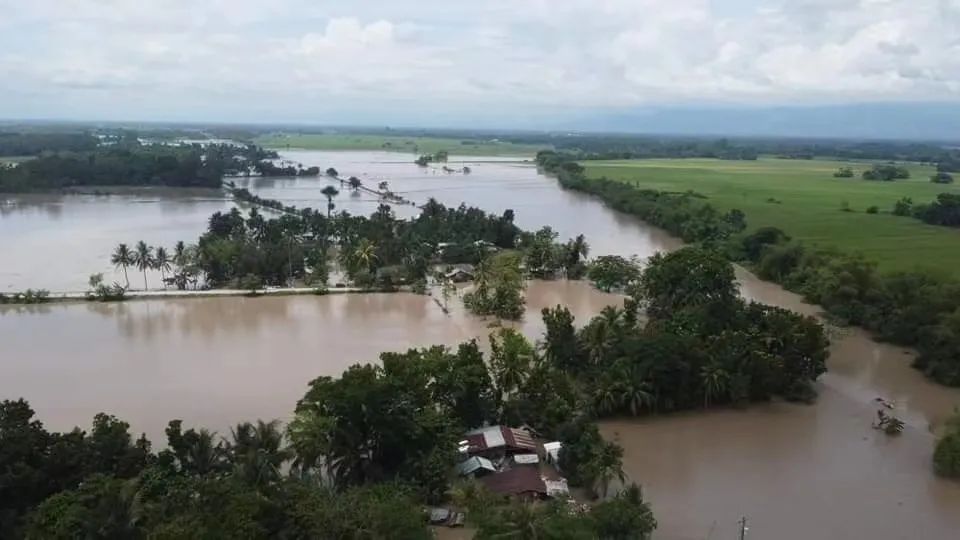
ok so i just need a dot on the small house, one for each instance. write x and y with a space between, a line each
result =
476 467
460 273
522 482
499 441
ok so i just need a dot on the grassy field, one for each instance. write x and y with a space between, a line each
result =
805 200
413 145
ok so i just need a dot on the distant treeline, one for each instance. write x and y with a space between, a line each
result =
32 144
645 146
908 308
133 164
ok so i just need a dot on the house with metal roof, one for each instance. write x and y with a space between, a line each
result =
476 467
498 441
524 482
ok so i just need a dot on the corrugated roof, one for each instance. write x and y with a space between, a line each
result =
516 482
500 436
474 464
526 459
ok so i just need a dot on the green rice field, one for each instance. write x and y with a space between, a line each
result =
803 198
412 145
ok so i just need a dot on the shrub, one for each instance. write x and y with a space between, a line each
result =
872 210
941 178
946 456
903 207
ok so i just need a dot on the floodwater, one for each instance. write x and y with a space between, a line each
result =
796 472
55 241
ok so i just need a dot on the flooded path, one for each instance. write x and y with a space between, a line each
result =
796 472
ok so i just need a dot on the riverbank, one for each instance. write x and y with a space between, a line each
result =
208 293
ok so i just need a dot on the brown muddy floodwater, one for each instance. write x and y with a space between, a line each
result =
796 472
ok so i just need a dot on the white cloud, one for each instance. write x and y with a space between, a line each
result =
325 60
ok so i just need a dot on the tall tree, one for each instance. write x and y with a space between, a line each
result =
161 261
143 260
330 192
122 258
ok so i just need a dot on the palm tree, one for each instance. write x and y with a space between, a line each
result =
257 451
204 455
330 192
716 382
143 259
309 433
598 337
365 254
355 183
161 261
636 395
577 250
607 397
180 253
122 257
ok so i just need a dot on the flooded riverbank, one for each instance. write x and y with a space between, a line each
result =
795 471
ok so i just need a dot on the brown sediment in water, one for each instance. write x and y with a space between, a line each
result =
795 471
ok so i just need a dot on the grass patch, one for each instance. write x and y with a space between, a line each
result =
804 199
412 145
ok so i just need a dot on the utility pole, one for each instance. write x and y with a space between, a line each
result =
743 527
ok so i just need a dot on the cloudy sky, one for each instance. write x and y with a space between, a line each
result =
509 63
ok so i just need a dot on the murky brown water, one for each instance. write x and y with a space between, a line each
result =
216 361
796 472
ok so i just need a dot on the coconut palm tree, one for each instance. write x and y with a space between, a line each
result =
161 262
180 253
330 192
122 257
716 382
309 434
607 397
143 259
204 455
637 394
365 254
257 451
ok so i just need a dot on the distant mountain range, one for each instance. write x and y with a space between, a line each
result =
920 121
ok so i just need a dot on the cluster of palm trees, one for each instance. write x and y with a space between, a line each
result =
144 257
255 452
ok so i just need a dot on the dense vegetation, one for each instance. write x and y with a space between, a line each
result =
909 308
886 173
130 163
376 250
945 211
34 144
267 168
946 456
